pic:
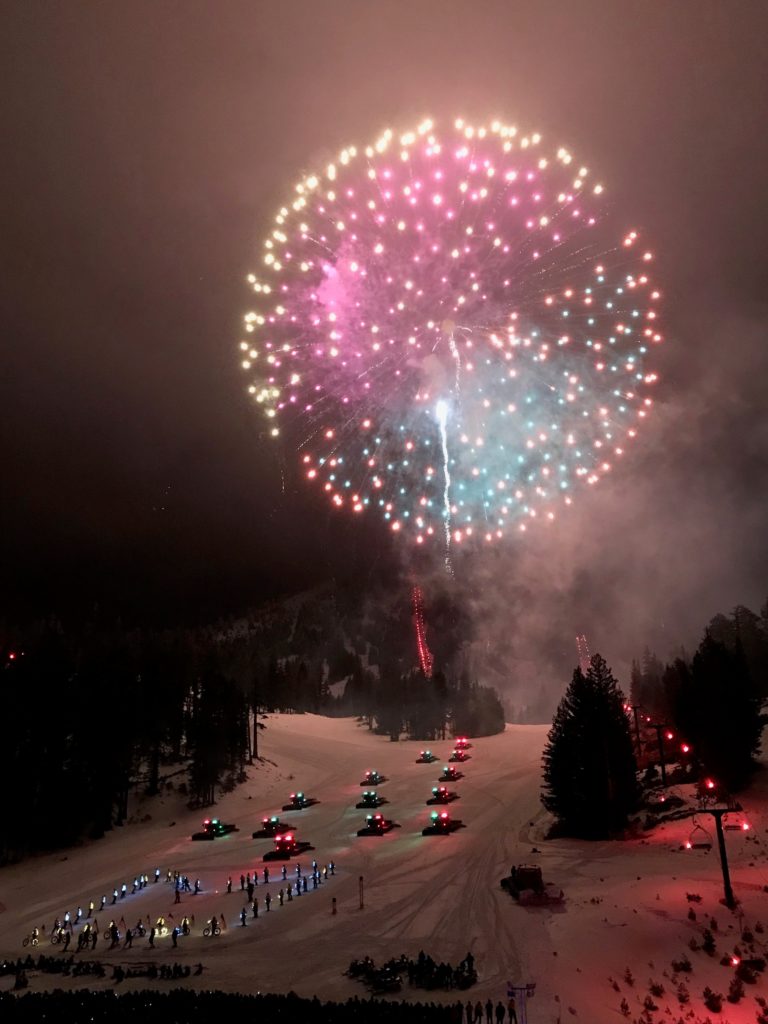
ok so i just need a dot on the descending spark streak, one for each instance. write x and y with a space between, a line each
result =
442 419
448 328
457 359
582 648
426 659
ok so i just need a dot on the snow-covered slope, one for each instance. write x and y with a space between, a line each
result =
625 903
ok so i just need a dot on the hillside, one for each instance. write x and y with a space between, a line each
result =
625 902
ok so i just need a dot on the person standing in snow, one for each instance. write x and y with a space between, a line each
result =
488 1011
512 1010
243 918
500 1011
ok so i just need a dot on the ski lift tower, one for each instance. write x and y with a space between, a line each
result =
521 994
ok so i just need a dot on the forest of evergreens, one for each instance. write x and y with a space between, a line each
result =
99 710
710 707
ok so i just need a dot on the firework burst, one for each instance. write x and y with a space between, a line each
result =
449 332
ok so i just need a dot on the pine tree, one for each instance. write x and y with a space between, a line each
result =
722 710
590 773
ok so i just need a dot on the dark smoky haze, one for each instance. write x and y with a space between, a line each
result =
146 147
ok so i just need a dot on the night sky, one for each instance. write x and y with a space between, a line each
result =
146 146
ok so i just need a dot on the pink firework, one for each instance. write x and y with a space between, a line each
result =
448 331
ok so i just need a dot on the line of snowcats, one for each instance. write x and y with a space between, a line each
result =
440 823
287 845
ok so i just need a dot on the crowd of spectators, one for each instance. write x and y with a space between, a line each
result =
423 972
184 1006
77 968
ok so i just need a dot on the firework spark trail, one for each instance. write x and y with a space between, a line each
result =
426 659
353 345
582 649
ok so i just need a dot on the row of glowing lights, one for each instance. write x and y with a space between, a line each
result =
312 182
574 386
378 248
336 461
411 191
358 503
438 199
253 319
271 392
478 442
708 783
513 341
685 748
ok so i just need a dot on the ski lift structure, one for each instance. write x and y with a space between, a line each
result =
729 818
735 821
699 838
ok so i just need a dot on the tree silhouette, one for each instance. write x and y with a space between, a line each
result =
590 773
721 709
